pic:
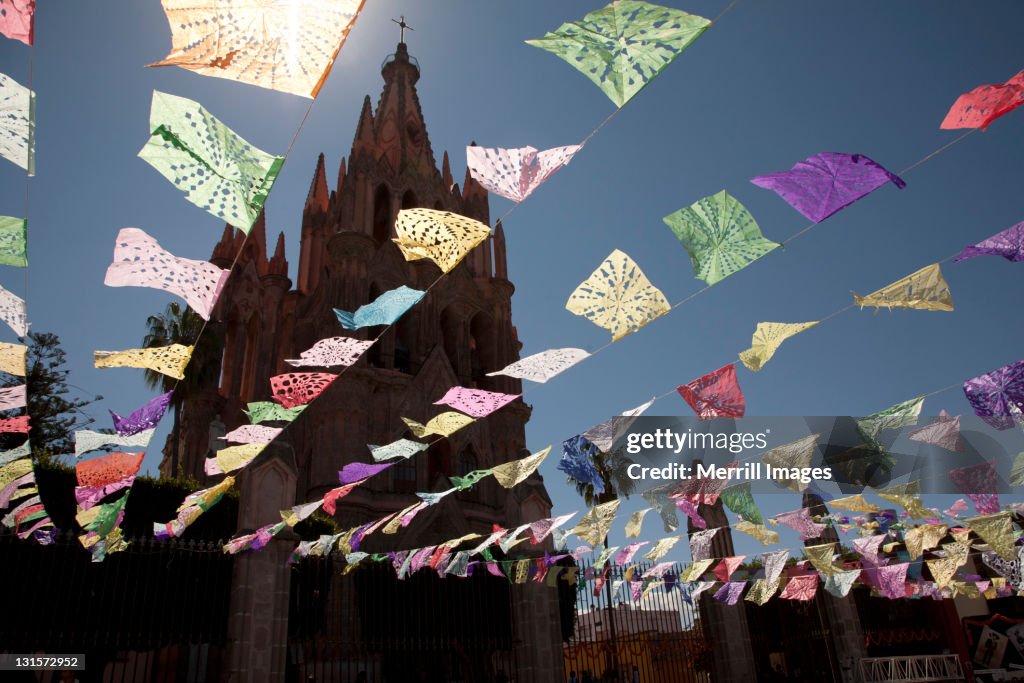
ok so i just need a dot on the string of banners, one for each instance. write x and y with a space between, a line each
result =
222 173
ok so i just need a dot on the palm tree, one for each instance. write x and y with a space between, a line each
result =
613 467
181 325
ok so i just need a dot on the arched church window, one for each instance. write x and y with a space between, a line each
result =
252 334
481 348
450 324
409 200
382 218
404 343
439 460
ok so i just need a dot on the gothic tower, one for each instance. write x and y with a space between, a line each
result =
459 332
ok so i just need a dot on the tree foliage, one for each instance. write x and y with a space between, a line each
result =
53 413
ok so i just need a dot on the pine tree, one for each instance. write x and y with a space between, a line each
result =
53 415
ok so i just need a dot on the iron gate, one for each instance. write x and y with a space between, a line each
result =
656 638
155 612
368 627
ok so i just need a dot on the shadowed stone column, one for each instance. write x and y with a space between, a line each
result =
537 633
261 581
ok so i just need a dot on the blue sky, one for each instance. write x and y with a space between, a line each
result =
769 85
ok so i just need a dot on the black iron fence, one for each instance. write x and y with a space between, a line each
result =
155 612
368 627
653 637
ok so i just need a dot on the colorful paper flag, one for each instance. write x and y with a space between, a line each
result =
140 261
284 45
827 182
618 297
216 169
623 46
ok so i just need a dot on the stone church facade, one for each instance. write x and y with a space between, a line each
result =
460 331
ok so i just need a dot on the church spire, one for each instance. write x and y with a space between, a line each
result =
398 121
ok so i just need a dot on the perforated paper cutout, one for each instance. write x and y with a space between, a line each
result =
233 458
762 590
515 173
623 46
216 169
892 580
923 537
403 448
512 473
1008 244
796 454
998 394
268 411
17 19
907 496
594 526
283 45
441 236
661 548
252 434
194 505
293 516
823 184
168 360
13 242
716 394
760 532
820 557
720 236
108 469
800 588
855 503
358 471
605 434
140 261
801 522
700 544
141 419
299 388
943 432
980 484
12 358
17 124
618 297
767 339
331 352
984 104
12 312
540 367
475 402
924 290
87 440
13 397
18 425
384 310
839 583
740 500
444 424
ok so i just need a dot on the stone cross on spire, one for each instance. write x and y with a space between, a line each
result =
402 25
